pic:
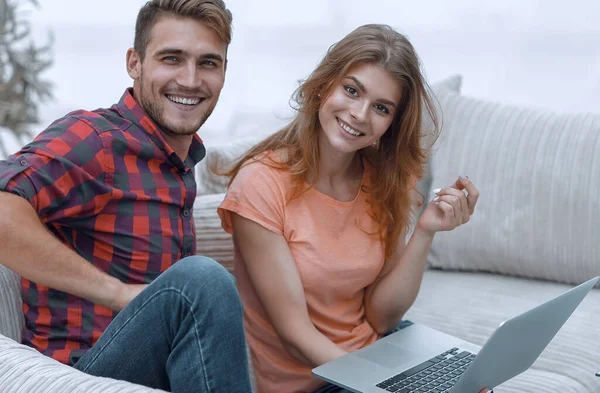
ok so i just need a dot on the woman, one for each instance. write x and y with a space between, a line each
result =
319 212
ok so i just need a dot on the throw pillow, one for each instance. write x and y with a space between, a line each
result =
538 213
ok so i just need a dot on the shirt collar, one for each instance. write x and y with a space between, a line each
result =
132 111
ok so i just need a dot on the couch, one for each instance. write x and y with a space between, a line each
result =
534 235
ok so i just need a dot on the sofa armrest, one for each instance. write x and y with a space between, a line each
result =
11 312
23 369
211 240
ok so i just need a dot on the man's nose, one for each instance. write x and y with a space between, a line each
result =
189 76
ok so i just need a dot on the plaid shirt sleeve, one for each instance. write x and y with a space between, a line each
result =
61 173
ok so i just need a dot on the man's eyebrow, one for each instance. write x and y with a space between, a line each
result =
175 51
169 51
362 87
214 56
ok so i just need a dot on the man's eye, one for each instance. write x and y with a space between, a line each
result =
209 63
351 90
382 108
170 58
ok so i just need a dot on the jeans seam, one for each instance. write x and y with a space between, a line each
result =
160 292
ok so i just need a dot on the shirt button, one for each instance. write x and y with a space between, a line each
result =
23 162
186 213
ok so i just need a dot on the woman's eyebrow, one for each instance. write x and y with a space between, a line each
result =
364 89
358 83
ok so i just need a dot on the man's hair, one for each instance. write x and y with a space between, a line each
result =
213 13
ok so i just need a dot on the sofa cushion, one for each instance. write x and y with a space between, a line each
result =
11 313
538 210
23 369
218 158
211 240
472 305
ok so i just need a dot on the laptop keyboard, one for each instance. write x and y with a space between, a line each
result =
436 375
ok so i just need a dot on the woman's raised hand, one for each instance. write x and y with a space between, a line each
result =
452 207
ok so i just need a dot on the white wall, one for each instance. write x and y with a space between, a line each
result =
537 53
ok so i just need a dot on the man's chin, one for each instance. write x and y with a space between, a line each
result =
179 130
180 126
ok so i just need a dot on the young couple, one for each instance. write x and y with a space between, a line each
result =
96 216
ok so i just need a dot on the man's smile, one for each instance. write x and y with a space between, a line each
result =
184 100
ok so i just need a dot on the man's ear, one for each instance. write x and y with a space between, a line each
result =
134 64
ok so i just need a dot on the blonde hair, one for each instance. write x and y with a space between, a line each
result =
399 157
213 13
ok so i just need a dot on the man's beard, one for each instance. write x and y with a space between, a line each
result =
155 112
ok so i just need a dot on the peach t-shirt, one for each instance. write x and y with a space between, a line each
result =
335 258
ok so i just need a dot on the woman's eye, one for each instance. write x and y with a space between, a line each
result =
351 90
382 108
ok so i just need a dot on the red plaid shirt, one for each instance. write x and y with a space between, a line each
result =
108 186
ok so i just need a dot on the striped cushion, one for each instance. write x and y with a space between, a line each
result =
11 313
537 173
211 240
23 369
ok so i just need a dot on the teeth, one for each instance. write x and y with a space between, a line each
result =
349 130
184 101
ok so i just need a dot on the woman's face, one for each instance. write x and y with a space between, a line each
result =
359 109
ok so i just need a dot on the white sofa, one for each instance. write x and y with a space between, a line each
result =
535 234
24 370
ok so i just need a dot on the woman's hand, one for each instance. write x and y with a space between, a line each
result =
450 208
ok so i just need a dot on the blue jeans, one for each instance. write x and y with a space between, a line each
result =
183 333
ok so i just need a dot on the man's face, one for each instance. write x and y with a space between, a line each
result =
180 79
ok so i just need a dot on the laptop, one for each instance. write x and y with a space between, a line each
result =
420 359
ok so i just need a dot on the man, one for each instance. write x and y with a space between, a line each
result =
98 206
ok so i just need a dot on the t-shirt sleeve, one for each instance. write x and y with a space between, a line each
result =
258 194
60 171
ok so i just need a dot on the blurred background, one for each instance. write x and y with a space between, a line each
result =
543 54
